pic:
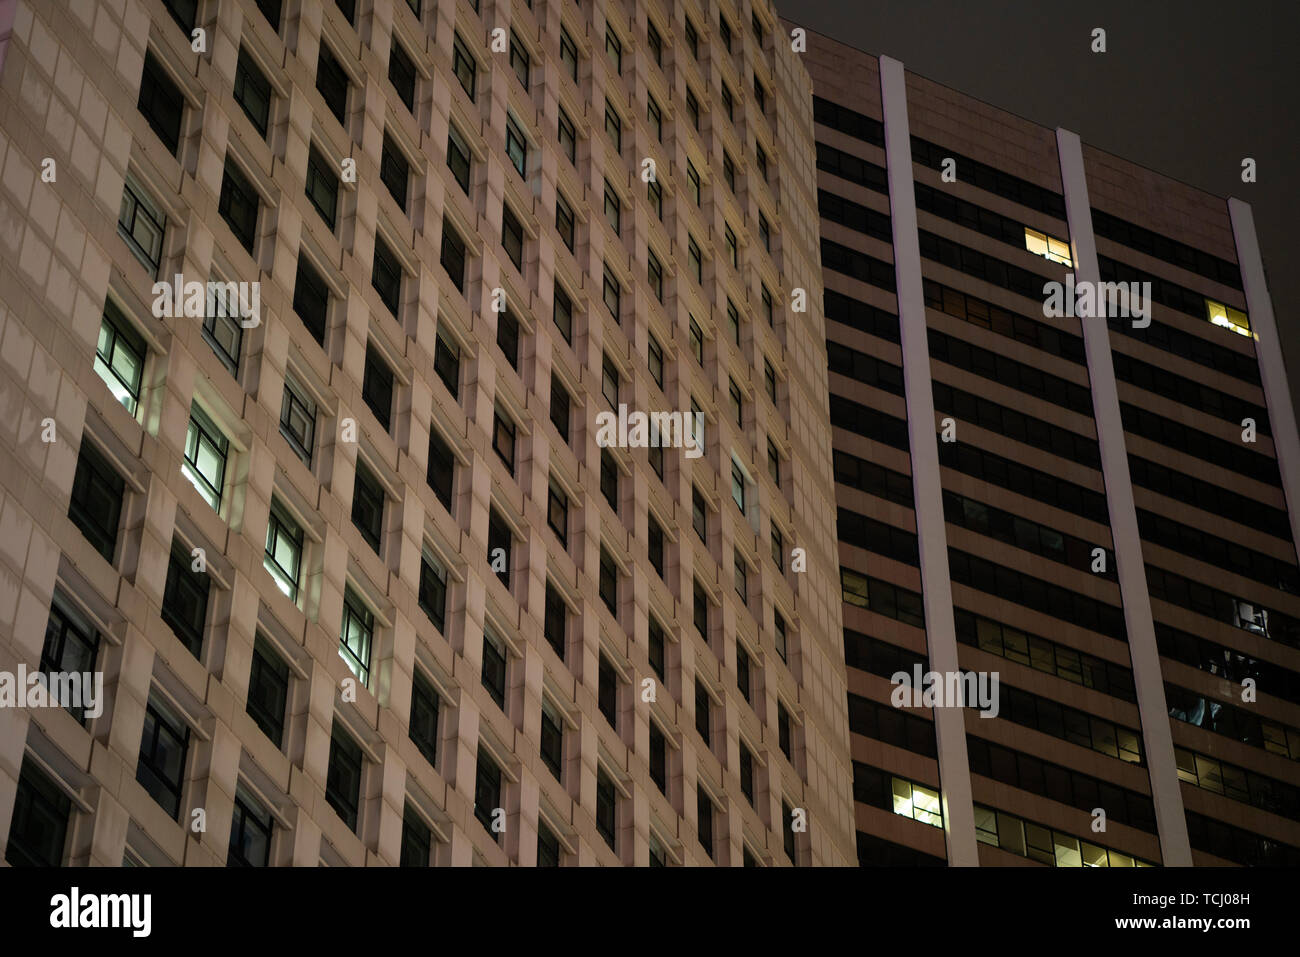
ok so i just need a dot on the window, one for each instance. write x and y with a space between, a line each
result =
655 42
377 386
271 10
612 294
729 171
560 408
614 50
693 177
268 690
701 611
401 73
693 109
655 545
607 691
185 600
757 26
697 423
394 171
606 808
487 790
161 102
655 454
500 541
783 729
704 823
609 582
557 513
694 259
768 312
787 826
699 514
519 60
238 205
298 420
760 158
778 549
654 192
250 834
548 846
311 299
512 238
728 104
163 746
552 741
442 468
774 463
516 146
96 504
760 95
453 254
738 485
368 506
463 65
609 478
1226 316
119 357
569 54
613 127
206 449
613 208
283 558
568 136
724 32
332 82
769 380
503 439
742 576
184 12
458 158
425 705
349 10
1049 247
695 339
655 274
564 224
655 360
417 840
655 116
778 626
322 186
692 39
764 232
386 275
343 779
737 402
609 378
658 758
747 774
71 647
39 828
356 635
658 651
554 625
917 802
703 711
433 590
252 92
562 313
446 363
141 224
493 675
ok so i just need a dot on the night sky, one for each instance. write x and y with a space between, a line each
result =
1186 88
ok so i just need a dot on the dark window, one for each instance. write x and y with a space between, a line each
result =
701 611
609 478
442 468
516 146
311 299
614 49
693 109
503 439
298 420
185 600
161 102
425 705
487 790
417 840
271 10
564 224
96 504
695 340
703 712
655 360
557 612
568 136
783 729
253 92
268 690
692 39
658 656
609 378
569 54
728 102
613 208
250 834
332 82
557 513
508 337
612 293
433 591
401 73
655 274
368 506
377 387
453 254
560 405
704 829
613 127
655 194
184 12
655 42
747 773
778 624
221 327
39 827
609 582
386 275
161 768
458 158
71 647
562 313
606 808
446 362
512 237
658 758
787 827
141 225
699 514
464 65
322 187
778 548
343 779
655 544
519 59
493 675
238 205
500 540
395 171
552 742
548 847
724 32
742 671
349 10
655 117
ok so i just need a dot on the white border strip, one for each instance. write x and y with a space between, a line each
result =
1166 793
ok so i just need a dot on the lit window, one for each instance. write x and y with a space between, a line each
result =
141 224
298 420
1229 318
1049 247
119 357
283 551
205 457
917 802
356 635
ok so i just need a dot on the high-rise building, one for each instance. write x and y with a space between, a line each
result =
1102 512
310 315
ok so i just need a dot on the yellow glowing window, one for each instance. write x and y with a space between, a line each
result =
1229 318
919 803
1049 247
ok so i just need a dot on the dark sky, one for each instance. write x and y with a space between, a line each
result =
1186 88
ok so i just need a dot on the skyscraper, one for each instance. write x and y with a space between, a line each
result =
1098 511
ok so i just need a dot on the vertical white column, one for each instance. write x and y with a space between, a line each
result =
1175 850
1272 368
936 587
